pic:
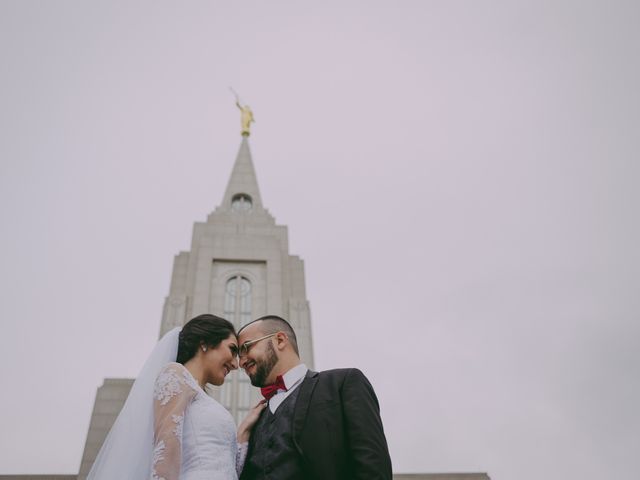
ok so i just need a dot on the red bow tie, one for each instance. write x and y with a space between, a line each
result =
270 390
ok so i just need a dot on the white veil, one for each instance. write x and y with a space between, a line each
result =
127 452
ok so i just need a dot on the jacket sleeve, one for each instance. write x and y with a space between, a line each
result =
365 435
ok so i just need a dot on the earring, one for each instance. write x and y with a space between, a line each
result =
204 349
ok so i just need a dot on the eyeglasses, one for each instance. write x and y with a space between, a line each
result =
244 348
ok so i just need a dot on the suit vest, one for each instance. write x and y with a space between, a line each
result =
272 454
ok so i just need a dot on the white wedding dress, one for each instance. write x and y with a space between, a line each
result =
194 436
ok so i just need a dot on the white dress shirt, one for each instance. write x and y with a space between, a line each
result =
292 380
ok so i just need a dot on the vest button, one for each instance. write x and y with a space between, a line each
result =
267 469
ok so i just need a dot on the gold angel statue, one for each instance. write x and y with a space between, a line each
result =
246 116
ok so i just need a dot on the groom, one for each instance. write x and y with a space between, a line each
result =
317 425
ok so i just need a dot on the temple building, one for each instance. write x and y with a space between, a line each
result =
239 267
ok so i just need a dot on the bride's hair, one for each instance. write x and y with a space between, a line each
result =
204 329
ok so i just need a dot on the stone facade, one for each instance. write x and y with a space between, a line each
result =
441 476
109 401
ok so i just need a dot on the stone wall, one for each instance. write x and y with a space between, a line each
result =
109 401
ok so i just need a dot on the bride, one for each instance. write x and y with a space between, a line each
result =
169 428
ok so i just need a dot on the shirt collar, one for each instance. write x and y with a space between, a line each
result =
295 375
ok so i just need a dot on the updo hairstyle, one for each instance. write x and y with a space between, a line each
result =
204 329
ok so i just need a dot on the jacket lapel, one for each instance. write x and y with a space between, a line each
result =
302 405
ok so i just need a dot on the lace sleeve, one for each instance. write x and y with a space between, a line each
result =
172 394
241 456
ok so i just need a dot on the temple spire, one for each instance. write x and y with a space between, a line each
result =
243 183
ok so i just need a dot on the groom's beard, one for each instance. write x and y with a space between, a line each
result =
264 367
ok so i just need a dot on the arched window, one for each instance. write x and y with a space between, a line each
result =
235 394
237 301
241 202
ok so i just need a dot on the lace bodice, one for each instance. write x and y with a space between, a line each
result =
194 436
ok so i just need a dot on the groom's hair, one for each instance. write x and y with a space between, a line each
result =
273 324
204 329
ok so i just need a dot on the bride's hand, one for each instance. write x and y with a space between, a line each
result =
245 427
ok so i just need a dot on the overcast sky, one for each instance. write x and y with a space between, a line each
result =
461 179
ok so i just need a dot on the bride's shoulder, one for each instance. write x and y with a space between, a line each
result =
173 372
174 367
170 382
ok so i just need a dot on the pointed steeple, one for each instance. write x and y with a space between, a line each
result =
243 184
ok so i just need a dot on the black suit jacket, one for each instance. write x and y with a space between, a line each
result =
337 428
